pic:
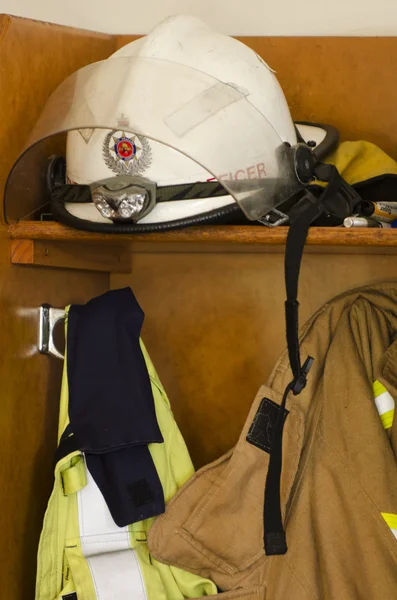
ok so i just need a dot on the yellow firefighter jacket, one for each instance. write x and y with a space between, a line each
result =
83 555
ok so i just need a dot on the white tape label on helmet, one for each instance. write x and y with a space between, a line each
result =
114 565
202 107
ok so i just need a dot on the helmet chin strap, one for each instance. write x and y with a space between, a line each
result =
339 199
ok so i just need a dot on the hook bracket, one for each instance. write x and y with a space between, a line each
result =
48 318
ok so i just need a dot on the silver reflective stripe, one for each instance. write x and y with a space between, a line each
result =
117 575
114 566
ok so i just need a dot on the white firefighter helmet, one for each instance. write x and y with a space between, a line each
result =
173 129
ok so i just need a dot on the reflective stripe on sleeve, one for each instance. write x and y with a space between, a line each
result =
384 403
391 520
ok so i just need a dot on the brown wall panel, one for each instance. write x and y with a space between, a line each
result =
215 327
29 400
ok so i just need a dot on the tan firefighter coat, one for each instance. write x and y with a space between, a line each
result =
339 478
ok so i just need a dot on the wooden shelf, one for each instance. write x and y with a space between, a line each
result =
252 236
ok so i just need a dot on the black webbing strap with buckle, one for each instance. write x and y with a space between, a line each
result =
274 534
81 194
337 198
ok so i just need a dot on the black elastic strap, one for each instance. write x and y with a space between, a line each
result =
305 212
81 194
338 198
230 212
189 191
274 535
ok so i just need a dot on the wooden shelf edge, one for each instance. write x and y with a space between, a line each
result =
116 258
225 235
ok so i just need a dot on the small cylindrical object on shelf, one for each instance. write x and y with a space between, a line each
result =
382 211
364 222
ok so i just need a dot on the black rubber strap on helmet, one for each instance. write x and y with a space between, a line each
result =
217 215
189 191
81 194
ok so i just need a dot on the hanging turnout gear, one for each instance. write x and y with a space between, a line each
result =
339 479
111 409
83 554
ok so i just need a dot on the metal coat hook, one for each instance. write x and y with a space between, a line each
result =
48 318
